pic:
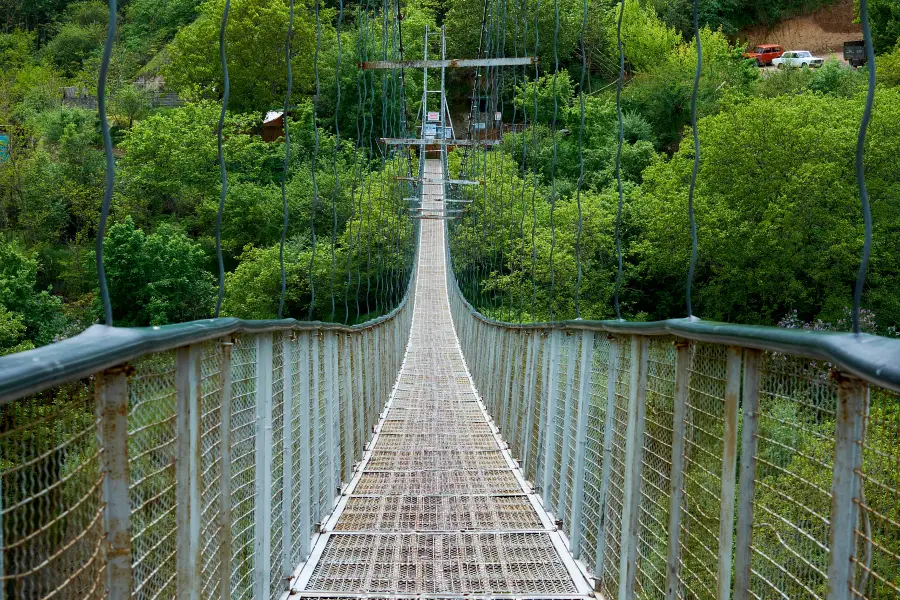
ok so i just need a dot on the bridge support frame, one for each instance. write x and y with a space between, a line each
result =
187 473
112 434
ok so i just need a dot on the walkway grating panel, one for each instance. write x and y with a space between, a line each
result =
416 460
438 426
438 513
512 563
436 509
435 440
426 483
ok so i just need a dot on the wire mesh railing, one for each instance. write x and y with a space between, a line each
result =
686 459
191 460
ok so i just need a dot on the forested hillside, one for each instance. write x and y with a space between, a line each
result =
778 212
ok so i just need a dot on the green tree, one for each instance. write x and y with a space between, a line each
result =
30 315
80 36
158 278
256 37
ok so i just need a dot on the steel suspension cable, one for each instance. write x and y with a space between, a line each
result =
287 154
584 14
315 184
537 39
357 171
621 141
337 150
553 163
860 167
223 172
110 163
524 156
693 185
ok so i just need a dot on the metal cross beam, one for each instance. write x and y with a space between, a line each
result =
438 64
442 142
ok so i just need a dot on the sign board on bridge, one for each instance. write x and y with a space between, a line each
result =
434 116
498 116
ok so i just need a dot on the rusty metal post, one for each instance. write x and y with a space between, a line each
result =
187 473
683 353
584 403
606 470
111 389
747 481
729 471
634 450
225 473
849 433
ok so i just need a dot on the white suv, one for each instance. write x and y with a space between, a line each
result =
797 58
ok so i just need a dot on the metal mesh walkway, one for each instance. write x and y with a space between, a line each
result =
437 506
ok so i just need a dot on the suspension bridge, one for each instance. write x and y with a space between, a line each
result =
435 452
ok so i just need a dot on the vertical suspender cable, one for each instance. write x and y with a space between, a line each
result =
618 158
223 173
287 154
315 155
553 163
693 222
537 39
860 167
110 163
584 14
337 149
524 152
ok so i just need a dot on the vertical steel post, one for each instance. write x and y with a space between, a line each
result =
849 433
187 473
634 450
729 471
306 478
503 410
225 473
531 369
683 353
262 545
347 408
369 365
111 389
517 400
747 481
584 404
542 421
287 456
316 429
606 470
550 426
330 441
362 423
562 498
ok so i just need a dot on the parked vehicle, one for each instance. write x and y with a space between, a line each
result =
798 58
855 53
764 54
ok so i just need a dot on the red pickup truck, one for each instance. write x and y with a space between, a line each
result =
764 53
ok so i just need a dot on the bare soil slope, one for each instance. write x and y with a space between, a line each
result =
823 31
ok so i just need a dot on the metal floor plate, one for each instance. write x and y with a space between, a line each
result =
511 563
436 508
438 513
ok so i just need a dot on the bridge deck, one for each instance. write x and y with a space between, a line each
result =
437 505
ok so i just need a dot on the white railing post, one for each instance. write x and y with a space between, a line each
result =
347 406
634 450
503 410
606 470
584 403
335 420
361 417
306 478
111 390
225 473
287 487
531 369
747 480
542 421
729 470
263 498
550 425
517 400
317 433
676 479
330 441
849 433
187 474
562 498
